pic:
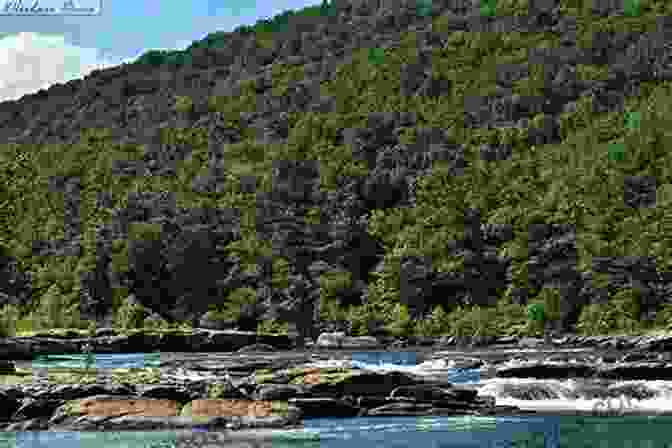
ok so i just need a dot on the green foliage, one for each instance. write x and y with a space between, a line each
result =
358 317
330 310
512 320
575 180
620 315
154 323
280 269
129 316
57 309
144 231
155 58
402 324
184 104
549 298
631 8
437 325
664 317
9 314
535 311
332 282
487 7
272 326
476 321
230 308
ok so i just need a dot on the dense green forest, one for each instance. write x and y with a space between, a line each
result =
575 181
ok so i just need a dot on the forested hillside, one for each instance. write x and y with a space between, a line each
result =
382 167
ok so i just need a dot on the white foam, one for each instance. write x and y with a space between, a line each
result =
568 400
568 391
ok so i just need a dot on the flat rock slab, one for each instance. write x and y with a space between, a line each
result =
269 397
234 408
115 406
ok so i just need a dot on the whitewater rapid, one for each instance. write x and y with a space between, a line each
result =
564 396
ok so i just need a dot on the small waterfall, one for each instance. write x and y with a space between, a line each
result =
581 396
584 396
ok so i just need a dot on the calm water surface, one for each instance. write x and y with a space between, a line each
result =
391 432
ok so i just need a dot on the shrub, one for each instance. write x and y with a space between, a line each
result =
216 315
333 282
402 325
330 285
330 310
129 316
183 104
57 310
9 315
438 324
231 309
359 316
153 323
272 326
620 314
664 316
476 321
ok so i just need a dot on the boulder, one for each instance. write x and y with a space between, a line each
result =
208 321
330 340
429 392
7 367
277 397
256 348
339 340
279 391
544 370
235 408
107 341
106 331
111 406
360 342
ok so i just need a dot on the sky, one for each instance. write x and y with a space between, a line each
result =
37 51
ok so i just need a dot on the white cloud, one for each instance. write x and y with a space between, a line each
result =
32 61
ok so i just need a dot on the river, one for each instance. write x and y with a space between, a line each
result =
636 423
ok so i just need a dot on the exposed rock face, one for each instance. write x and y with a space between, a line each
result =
198 340
136 103
340 340
108 340
278 399
250 389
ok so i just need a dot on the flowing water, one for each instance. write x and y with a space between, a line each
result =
637 411
97 361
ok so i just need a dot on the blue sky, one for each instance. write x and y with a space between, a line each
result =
37 51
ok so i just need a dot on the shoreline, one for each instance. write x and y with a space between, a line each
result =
256 375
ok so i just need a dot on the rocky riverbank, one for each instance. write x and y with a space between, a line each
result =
256 385
268 398
110 340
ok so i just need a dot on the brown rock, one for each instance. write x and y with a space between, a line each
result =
105 407
313 376
233 408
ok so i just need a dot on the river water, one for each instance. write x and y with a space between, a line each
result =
634 423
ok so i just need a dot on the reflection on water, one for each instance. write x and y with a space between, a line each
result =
391 432
97 360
